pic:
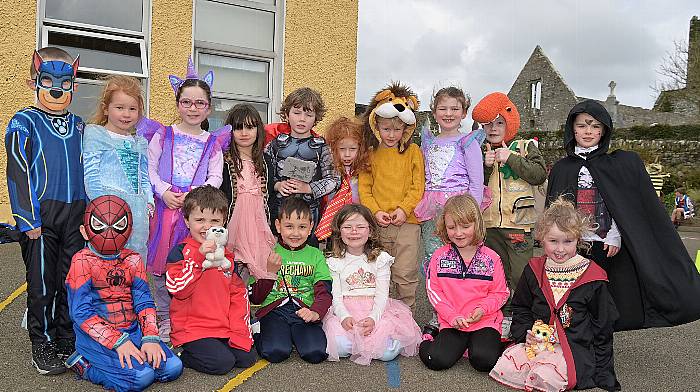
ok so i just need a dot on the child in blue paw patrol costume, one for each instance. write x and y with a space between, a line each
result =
45 184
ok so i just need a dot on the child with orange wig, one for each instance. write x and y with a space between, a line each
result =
350 156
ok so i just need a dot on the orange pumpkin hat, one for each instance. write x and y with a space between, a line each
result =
494 104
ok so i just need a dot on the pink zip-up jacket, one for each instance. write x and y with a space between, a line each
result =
456 287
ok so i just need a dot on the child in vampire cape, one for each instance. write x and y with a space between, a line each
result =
652 278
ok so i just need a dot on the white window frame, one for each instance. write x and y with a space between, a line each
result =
274 58
535 94
143 37
142 45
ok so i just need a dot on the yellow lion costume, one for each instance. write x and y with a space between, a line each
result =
395 100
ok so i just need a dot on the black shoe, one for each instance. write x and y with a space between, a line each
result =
431 330
45 359
64 348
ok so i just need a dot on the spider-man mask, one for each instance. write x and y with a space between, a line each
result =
107 223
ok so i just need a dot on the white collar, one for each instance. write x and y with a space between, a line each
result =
584 151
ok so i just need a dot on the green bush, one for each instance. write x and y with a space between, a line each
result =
660 131
669 201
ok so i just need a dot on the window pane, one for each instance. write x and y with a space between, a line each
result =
236 75
85 99
100 53
122 14
233 25
220 107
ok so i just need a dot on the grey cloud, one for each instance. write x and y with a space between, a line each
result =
482 46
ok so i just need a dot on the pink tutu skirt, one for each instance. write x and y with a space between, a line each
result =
249 236
396 324
545 372
433 202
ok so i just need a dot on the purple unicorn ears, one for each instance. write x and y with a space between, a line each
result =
176 82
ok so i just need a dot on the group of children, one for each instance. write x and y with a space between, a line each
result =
462 202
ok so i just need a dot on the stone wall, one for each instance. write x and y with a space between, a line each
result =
670 153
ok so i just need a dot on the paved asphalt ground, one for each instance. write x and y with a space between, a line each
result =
665 359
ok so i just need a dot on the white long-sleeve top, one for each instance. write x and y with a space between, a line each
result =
354 276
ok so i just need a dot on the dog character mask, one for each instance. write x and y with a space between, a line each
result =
55 82
395 100
107 224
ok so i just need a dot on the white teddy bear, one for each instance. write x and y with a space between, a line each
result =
216 258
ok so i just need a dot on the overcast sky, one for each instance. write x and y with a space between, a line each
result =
481 46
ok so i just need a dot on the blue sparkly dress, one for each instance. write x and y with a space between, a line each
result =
118 165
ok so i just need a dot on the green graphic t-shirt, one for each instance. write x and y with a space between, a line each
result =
301 269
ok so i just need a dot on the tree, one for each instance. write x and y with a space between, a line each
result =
674 68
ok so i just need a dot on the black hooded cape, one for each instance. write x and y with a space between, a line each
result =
652 278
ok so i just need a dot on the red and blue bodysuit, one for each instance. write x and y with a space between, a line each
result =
110 303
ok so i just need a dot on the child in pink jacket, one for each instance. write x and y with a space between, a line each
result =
467 287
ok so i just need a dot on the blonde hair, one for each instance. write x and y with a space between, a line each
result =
463 209
396 121
343 128
568 219
126 84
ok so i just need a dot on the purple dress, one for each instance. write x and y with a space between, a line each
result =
168 227
453 166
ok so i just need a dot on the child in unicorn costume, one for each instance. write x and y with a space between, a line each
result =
181 157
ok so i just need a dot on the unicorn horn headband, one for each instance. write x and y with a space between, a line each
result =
176 82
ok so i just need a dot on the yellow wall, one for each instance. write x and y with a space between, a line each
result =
171 45
19 29
320 51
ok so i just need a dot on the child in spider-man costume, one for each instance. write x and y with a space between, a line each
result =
114 318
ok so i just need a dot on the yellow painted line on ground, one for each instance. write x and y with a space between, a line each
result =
21 289
243 376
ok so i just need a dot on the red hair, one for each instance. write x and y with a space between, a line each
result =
343 128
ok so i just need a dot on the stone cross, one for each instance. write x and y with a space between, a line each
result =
612 85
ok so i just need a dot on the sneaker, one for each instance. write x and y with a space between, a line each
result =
45 360
430 332
78 364
64 348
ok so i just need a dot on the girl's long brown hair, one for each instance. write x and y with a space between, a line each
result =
373 245
239 116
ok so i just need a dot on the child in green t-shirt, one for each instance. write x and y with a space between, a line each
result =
293 305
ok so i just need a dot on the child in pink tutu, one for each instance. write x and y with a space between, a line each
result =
570 293
453 166
365 323
466 286
244 179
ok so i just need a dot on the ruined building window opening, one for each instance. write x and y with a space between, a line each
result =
535 94
248 67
